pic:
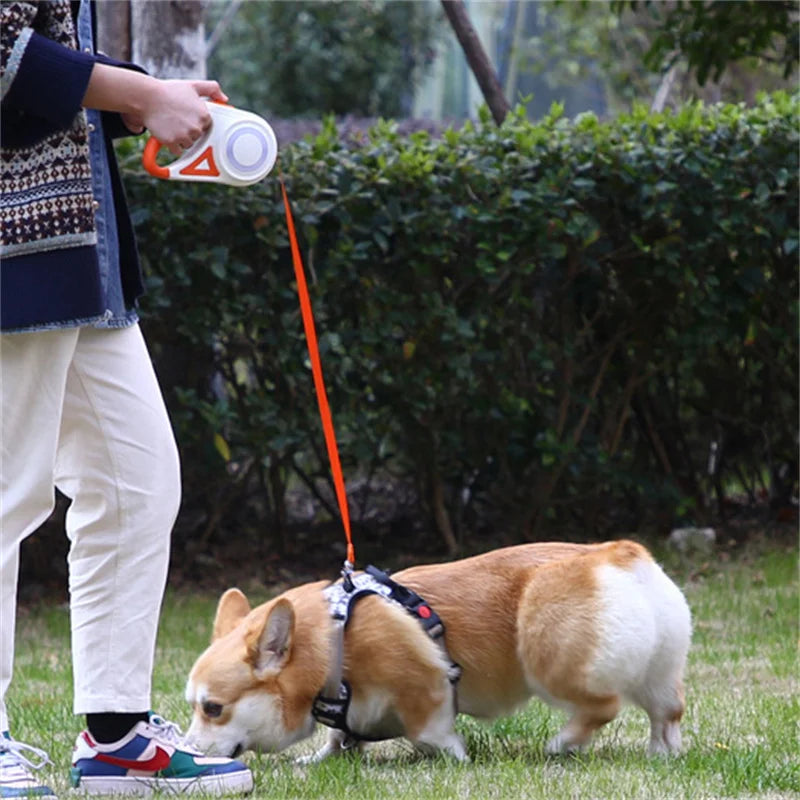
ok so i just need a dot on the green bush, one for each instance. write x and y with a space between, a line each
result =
546 327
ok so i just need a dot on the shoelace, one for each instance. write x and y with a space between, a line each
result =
171 733
12 754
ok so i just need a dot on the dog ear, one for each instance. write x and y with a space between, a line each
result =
232 608
269 648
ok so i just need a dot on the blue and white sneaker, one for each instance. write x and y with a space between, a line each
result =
153 756
18 762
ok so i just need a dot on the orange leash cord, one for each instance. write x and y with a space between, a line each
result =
319 383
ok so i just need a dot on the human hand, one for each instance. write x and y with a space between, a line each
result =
176 113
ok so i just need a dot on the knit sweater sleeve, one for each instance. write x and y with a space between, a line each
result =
39 77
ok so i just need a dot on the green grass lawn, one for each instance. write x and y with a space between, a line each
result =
740 730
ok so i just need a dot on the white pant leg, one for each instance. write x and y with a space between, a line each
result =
33 377
118 461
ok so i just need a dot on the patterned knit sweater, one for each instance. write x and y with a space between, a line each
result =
46 183
50 273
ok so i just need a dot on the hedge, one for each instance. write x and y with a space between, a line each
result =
561 328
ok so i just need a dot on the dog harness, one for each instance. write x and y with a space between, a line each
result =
332 703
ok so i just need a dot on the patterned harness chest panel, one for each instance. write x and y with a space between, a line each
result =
331 705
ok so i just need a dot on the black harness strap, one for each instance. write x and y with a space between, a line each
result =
332 704
412 603
332 711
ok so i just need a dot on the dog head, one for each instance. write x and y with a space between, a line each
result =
254 686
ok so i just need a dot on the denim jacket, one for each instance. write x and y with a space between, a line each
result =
68 251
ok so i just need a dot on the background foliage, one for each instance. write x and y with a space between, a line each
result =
394 57
713 35
605 56
541 329
311 58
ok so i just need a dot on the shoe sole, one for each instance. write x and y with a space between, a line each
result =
231 783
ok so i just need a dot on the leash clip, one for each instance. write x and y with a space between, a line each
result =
347 576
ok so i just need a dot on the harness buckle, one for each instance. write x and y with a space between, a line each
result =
454 673
332 711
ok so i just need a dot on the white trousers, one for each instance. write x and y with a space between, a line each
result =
82 410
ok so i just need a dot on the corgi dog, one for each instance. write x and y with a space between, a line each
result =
585 627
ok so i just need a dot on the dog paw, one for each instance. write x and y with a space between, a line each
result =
317 756
449 747
561 746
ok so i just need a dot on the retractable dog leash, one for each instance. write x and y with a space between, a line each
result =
240 149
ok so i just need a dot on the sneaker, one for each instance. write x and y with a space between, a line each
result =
154 755
18 762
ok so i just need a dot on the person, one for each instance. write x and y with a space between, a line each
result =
81 406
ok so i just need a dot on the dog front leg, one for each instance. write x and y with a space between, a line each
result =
439 736
336 744
450 745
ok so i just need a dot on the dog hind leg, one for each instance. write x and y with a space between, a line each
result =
661 690
665 717
585 720
661 695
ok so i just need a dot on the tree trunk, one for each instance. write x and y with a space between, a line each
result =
477 59
664 88
513 56
169 37
114 29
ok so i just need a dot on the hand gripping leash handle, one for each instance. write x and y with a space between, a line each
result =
238 149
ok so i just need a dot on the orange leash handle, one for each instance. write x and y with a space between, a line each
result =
319 383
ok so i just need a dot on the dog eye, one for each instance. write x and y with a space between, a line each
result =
212 709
